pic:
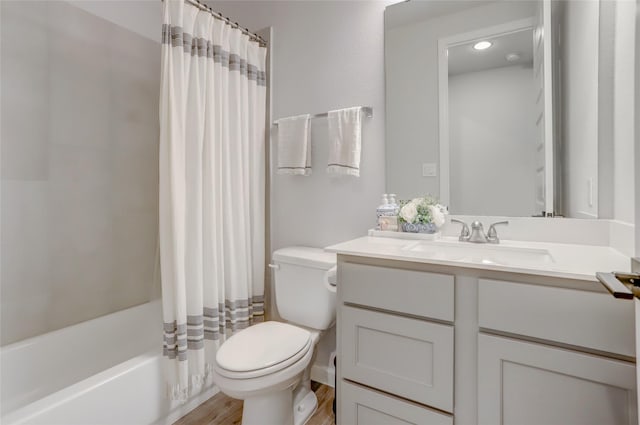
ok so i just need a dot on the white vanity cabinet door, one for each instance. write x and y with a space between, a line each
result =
406 357
360 406
523 383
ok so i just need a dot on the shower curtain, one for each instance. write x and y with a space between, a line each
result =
212 189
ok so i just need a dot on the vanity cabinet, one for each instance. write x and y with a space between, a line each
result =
429 344
395 331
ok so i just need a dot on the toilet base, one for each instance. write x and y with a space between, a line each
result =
272 408
305 408
280 408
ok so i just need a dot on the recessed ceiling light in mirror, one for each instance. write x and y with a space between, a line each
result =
482 45
512 57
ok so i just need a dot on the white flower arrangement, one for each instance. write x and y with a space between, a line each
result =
409 212
425 210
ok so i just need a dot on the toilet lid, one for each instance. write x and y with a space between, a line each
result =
262 346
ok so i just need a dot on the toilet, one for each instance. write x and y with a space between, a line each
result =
268 365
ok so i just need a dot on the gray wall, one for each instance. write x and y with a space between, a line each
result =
79 166
325 55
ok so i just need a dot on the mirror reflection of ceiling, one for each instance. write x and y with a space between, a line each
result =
464 58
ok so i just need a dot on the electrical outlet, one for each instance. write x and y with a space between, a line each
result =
429 169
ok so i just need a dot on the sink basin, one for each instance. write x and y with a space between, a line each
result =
484 254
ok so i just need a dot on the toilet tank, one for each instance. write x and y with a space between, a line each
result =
302 292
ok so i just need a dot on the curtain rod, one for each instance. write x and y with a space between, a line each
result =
252 36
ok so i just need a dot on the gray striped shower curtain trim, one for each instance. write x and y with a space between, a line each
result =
202 47
230 316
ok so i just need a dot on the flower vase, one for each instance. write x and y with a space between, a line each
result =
419 228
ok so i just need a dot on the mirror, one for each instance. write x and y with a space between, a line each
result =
489 126
505 108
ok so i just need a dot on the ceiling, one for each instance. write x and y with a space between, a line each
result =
464 58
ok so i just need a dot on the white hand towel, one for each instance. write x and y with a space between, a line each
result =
345 136
294 145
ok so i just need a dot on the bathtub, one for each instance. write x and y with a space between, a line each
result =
104 371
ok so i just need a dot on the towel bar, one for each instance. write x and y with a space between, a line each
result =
367 110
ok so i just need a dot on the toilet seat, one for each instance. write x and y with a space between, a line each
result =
262 349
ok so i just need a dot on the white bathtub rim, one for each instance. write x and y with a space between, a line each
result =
36 408
65 330
33 369
26 413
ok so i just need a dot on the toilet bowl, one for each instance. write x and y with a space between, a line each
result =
267 389
268 365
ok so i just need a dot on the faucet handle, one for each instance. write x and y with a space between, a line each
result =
492 234
465 233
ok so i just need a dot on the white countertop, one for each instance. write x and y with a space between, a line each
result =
567 261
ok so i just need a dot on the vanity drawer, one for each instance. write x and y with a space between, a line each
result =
593 320
360 406
405 291
407 357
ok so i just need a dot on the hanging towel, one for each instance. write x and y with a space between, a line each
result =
345 136
294 145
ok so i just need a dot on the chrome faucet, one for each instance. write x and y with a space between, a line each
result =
476 234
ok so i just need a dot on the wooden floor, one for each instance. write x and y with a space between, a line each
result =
223 410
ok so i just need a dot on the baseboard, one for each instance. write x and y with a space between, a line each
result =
190 405
323 374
